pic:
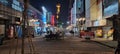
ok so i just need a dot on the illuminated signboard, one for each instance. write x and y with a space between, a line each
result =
44 15
110 7
53 20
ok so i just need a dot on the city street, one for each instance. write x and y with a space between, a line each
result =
68 45
59 26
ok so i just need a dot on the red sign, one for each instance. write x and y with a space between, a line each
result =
53 20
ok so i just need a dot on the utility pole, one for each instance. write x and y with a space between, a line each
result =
24 19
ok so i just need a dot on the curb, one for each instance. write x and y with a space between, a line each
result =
104 44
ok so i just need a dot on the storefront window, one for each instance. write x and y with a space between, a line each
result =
99 33
110 33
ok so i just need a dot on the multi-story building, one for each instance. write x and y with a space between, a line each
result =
98 12
78 14
35 20
110 8
10 15
87 13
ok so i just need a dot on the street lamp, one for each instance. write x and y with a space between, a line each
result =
58 8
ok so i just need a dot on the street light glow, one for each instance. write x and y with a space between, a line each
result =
80 19
57 16
58 5
58 10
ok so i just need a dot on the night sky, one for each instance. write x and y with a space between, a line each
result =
50 5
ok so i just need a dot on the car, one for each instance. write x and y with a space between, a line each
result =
87 34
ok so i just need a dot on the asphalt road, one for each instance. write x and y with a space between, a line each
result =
68 45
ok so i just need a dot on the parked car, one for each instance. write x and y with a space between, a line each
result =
87 34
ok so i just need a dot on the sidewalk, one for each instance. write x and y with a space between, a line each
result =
105 42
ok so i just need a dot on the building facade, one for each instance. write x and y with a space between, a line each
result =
78 14
35 20
97 14
11 16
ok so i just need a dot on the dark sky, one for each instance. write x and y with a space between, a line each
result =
50 5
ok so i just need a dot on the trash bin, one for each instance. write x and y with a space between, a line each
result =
1 39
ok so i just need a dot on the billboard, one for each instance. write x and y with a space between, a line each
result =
80 7
110 7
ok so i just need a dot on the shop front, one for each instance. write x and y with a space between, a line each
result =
111 8
115 19
13 27
3 27
34 27
103 29
2 31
